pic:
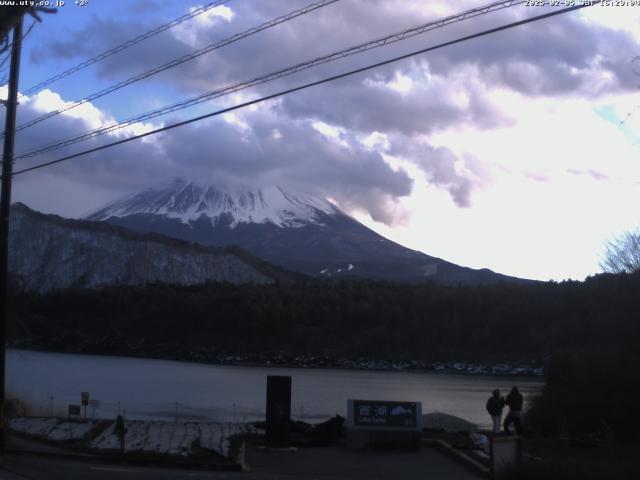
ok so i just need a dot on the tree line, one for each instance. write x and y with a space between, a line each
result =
587 332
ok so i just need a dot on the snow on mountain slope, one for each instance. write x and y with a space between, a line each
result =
48 252
296 231
189 201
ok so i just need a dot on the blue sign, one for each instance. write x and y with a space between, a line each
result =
384 415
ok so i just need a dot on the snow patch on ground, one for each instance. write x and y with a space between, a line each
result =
52 428
173 438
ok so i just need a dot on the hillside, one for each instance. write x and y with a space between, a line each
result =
49 252
294 230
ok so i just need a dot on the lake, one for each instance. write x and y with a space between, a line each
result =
163 389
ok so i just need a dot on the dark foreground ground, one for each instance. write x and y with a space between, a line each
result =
306 463
543 460
547 459
554 459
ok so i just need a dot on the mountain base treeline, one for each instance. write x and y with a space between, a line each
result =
588 332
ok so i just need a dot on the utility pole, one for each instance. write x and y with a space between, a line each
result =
5 209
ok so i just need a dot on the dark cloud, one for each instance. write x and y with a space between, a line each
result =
556 57
565 52
562 55
103 33
591 173
430 105
271 151
459 176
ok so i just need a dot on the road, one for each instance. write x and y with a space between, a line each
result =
28 467
308 464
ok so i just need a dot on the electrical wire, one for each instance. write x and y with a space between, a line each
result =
377 43
4 67
178 61
124 46
311 84
3 61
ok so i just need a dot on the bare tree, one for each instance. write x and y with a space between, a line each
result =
622 254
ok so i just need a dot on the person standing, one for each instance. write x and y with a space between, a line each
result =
515 401
495 404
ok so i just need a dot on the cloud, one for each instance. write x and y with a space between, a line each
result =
459 175
450 113
299 155
433 102
241 149
564 54
592 173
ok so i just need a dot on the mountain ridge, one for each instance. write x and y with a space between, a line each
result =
188 201
296 231
49 252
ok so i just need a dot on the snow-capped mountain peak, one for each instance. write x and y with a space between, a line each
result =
292 230
189 201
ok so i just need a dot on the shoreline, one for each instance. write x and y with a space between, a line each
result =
494 370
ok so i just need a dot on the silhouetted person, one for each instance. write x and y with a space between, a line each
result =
120 431
515 401
495 404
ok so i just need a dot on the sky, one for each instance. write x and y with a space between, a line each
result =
518 151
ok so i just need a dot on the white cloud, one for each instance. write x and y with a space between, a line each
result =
235 119
328 130
47 101
564 179
192 31
221 11
376 140
526 136
401 83
331 132
549 136
624 18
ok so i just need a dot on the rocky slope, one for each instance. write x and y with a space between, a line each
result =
49 252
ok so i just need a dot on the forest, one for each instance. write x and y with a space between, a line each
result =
586 333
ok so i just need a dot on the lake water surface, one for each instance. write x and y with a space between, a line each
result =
161 389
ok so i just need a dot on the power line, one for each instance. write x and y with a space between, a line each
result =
311 84
181 60
377 43
4 67
124 46
33 24
3 61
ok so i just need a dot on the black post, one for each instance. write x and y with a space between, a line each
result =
278 411
121 432
5 208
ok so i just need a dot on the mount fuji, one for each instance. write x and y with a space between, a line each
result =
293 230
